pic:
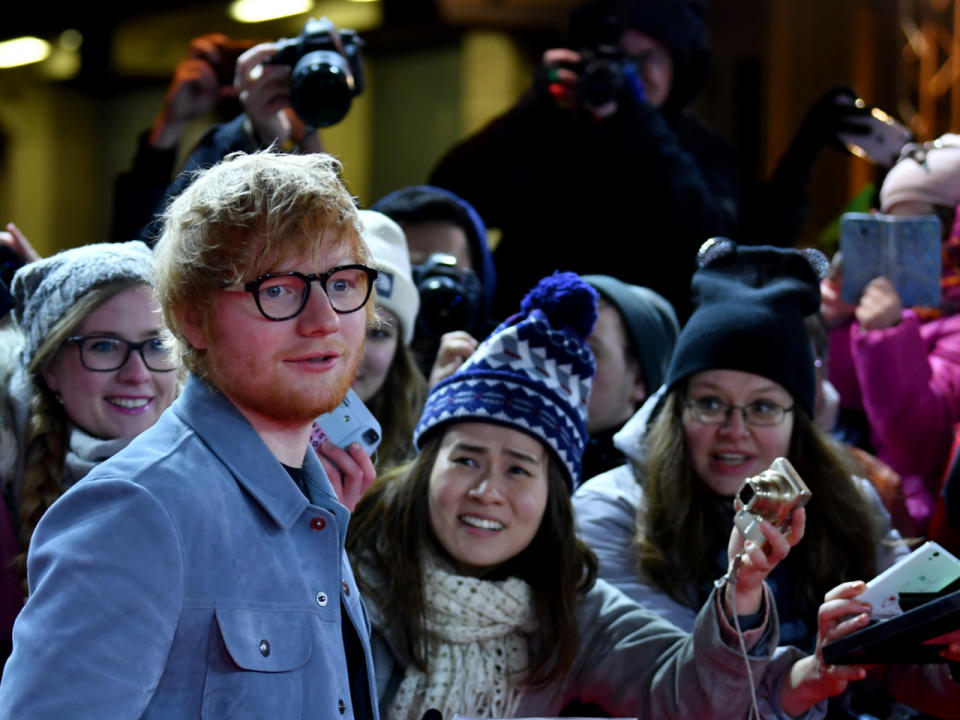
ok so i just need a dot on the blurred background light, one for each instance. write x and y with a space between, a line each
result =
254 11
23 51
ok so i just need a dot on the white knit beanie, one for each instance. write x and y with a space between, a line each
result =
395 289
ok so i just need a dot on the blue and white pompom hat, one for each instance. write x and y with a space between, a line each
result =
532 374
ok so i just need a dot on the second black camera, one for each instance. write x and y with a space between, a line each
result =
451 298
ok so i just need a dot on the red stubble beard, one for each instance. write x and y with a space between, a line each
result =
254 385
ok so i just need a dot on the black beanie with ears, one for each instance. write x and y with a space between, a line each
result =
751 304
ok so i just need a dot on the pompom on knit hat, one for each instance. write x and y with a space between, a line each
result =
47 288
752 302
925 173
395 289
533 374
650 321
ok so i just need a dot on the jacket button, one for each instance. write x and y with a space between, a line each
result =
318 523
346 588
264 647
341 706
322 599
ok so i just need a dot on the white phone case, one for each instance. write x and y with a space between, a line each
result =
351 421
929 568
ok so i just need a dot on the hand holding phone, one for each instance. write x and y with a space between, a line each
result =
350 422
345 440
875 136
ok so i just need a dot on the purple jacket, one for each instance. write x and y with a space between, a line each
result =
907 380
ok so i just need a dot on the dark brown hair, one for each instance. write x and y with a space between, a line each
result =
390 529
682 526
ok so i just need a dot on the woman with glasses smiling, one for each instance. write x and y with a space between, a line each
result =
740 392
91 374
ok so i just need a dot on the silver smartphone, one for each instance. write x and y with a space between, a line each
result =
884 139
350 422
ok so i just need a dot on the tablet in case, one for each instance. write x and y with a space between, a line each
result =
911 637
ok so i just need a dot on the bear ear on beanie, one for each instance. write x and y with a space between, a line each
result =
532 374
717 250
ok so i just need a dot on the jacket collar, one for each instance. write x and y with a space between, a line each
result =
237 445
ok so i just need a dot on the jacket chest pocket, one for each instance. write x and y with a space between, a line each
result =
255 663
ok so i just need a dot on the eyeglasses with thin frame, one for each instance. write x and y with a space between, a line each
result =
281 296
103 353
711 410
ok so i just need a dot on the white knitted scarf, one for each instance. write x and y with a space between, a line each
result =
476 648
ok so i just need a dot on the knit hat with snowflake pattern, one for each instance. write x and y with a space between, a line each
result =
532 374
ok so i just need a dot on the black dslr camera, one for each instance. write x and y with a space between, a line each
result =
451 298
324 80
601 73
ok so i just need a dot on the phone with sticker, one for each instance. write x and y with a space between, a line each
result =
928 569
350 422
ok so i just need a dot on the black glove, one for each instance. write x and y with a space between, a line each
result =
834 113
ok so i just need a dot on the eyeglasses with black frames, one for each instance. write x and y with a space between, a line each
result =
281 296
711 410
102 353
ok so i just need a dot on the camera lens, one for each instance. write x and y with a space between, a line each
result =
600 82
321 88
443 306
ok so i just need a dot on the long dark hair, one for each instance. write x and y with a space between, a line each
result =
681 527
390 530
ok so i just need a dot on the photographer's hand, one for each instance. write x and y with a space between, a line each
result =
193 91
756 562
14 238
558 76
264 92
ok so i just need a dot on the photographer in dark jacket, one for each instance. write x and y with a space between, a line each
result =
635 171
565 170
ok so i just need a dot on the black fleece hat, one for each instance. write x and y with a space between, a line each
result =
752 302
649 320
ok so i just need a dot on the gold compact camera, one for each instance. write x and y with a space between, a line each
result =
772 495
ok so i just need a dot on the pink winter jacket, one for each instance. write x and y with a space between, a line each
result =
907 380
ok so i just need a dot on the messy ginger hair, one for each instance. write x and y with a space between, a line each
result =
239 217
